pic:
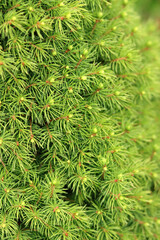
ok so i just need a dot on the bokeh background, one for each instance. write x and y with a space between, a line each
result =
149 9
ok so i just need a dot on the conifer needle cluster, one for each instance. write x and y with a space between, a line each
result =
79 121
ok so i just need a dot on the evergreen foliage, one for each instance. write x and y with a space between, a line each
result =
79 121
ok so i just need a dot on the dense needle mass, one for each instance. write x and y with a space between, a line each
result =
79 121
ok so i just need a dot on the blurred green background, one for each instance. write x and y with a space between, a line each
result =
149 8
